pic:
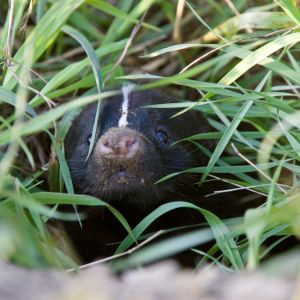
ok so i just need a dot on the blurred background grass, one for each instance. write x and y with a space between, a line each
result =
236 61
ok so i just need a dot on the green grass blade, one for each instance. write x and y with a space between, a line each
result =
226 138
221 232
9 97
291 10
74 69
61 198
114 11
97 74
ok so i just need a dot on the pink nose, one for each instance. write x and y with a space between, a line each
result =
122 143
121 147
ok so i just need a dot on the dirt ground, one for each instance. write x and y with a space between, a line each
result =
161 281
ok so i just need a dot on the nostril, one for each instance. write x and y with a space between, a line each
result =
106 143
126 144
129 142
105 146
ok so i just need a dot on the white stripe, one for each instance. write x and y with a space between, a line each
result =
126 90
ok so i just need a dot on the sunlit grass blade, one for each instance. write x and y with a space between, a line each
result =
43 35
259 55
164 249
20 6
253 20
43 121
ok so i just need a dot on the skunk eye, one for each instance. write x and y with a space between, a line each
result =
88 140
162 136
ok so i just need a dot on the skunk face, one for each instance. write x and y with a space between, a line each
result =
134 149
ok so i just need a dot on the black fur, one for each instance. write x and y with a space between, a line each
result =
158 160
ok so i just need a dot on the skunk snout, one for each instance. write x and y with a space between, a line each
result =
120 143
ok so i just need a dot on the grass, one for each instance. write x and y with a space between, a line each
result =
236 61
